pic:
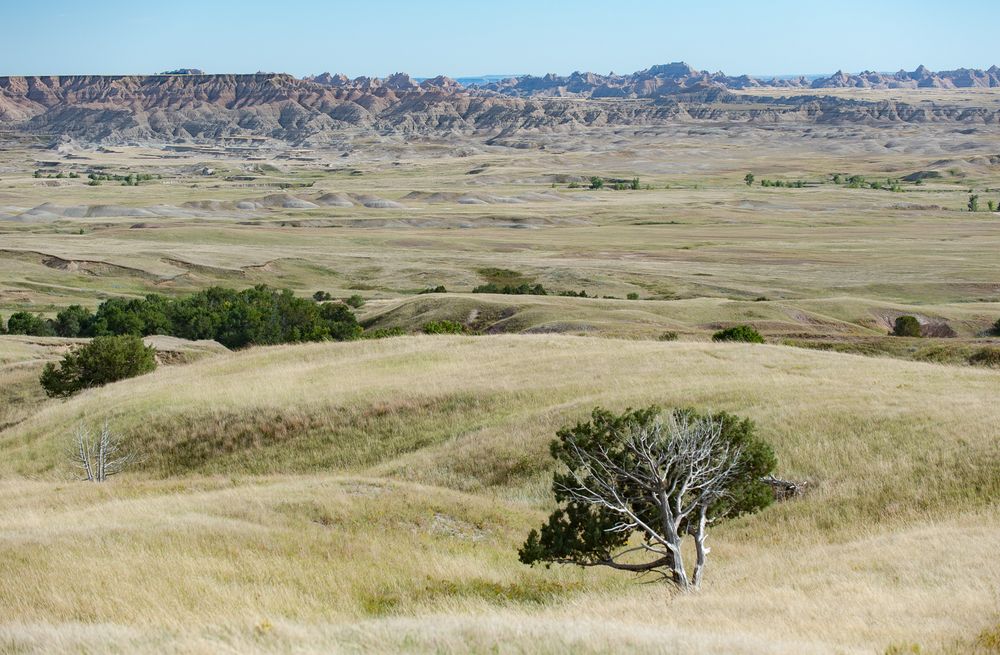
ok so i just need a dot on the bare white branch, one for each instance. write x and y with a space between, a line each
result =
100 456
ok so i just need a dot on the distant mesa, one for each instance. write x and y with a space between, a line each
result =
185 105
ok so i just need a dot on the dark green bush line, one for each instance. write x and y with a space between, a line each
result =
260 315
523 289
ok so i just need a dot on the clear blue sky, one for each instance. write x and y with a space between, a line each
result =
377 37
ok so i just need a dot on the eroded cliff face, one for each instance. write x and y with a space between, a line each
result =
192 107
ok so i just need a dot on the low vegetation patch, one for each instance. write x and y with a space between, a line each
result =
745 333
986 357
444 327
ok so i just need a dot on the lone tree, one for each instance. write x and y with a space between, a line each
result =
636 484
973 203
748 178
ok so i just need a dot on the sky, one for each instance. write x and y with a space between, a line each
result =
446 37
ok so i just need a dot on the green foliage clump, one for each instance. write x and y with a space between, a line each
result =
103 360
322 296
438 289
632 295
355 301
748 179
260 315
596 182
444 327
745 333
667 336
973 203
29 324
523 289
575 294
906 326
581 533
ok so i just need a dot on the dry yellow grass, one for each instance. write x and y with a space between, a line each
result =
414 547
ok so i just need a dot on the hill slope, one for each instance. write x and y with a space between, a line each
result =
372 486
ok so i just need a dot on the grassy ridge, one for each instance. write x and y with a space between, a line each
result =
406 471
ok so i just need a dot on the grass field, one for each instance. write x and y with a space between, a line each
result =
371 496
407 470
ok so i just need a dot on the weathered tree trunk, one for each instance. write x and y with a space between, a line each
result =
699 544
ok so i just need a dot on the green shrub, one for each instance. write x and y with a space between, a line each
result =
667 336
596 182
906 326
444 327
632 296
996 328
746 333
29 324
438 289
986 357
355 301
384 333
103 360
322 296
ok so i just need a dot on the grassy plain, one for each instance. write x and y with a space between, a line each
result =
371 495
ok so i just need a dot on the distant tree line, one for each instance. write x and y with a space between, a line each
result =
132 179
525 289
260 315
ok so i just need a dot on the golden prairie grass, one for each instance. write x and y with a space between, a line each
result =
413 548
